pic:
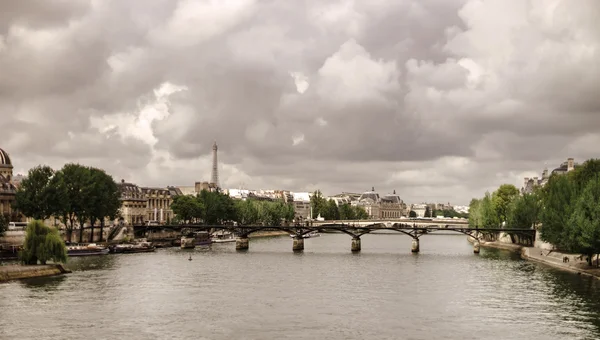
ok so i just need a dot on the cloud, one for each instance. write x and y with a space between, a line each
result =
438 100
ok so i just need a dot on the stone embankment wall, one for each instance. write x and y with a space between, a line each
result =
17 272
13 237
542 252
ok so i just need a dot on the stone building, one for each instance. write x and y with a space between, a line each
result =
419 209
301 205
392 206
7 189
159 204
199 186
134 203
381 207
530 183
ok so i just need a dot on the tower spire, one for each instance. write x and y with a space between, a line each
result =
215 169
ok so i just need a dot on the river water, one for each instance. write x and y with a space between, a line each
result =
326 292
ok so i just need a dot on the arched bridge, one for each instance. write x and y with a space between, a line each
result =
355 231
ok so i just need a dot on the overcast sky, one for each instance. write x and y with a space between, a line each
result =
439 100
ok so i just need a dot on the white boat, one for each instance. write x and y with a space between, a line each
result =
309 235
223 237
312 234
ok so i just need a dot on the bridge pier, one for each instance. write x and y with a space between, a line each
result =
476 246
415 245
241 243
355 244
298 244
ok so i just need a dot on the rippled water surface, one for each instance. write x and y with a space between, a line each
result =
385 292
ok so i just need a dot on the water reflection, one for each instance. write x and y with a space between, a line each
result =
45 284
83 263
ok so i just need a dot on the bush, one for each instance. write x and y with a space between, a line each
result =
42 244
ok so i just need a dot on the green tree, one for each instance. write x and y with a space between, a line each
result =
187 208
247 211
318 204
3 224
71 184
489 212
42 244
217 207
502 198
584 173
360 213
103 199
584 224
475 217
347 212
557 196
36 197
524 211
331 211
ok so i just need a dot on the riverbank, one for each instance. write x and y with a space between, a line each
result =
18 272
570 262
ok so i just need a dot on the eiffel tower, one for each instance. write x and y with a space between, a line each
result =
215 168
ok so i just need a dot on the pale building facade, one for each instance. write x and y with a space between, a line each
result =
530 183
133 203
381 207
158 206
7 188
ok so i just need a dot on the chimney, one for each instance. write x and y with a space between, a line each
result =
545 173
372 188
570 164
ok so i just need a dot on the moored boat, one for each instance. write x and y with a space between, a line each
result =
223 237
140 247
187 242
309 235
201 238
87 250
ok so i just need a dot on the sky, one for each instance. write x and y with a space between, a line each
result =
440 100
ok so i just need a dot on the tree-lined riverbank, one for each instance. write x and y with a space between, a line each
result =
565 209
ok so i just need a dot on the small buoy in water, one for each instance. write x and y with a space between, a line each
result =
190 258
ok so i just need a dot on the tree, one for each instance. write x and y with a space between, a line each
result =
331 211
247 212
187 208
361 213
583 174
489 212
71 184
584 224
36 195
217 207
524 211
502 198
42 244
3 224
347 212
475 218
318 204
557 198
102 199
412 214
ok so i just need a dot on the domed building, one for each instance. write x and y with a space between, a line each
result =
7 189
382 207
392 206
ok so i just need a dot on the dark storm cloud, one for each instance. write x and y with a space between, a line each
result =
436 99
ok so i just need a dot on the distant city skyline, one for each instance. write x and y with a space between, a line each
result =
438 100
